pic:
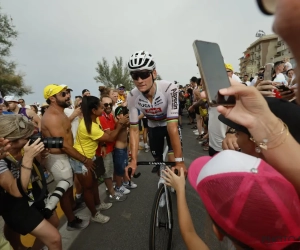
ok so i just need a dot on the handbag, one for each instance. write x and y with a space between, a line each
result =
99 169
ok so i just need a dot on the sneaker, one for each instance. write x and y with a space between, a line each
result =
103 206
123 190
147 149
205 148
129 185
77 224
101 218
78 207
196 133
117 197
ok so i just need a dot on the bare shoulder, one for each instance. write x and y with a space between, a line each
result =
54 118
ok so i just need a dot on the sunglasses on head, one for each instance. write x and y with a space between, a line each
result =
107 104
140 74
267 7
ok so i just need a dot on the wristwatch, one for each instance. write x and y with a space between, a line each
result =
179 159
230 131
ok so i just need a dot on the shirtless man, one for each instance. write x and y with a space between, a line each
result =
56 124
121 157
13 107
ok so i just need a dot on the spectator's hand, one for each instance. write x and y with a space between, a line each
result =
77 111
124 104
4 146
172 180
103 151
265 88
31 151
230 142
90 165
287 95
250 106
124 120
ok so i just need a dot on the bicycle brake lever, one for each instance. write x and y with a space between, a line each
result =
135 175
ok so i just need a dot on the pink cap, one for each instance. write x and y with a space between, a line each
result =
248 199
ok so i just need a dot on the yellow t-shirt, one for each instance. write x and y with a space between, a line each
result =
121 97
86 143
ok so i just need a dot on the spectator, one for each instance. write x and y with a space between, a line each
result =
89 134
86 92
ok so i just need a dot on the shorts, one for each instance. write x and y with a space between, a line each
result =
181 107
60 167
120 157
192 115
157 137
19 216
77 166
108 165
145 122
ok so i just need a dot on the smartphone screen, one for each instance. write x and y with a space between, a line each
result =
212 69
268 72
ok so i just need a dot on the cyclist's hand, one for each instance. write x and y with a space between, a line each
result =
133 166
230 142
174 181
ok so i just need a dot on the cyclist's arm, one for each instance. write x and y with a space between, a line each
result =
134 129
172 120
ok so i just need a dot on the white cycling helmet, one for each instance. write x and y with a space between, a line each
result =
141 60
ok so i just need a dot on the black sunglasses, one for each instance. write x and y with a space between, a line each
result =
63 94
107 104
140 74
267 7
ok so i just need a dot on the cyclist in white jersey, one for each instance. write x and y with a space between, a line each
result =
158 101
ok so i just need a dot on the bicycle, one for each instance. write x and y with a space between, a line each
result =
161 223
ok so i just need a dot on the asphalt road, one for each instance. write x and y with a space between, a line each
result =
129 225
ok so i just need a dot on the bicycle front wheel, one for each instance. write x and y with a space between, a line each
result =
161 225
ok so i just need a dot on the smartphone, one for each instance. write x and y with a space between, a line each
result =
268 72
212 69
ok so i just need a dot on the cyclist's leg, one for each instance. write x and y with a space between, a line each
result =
156 141
170 151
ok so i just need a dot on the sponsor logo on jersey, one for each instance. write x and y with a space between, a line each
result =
168 87
141 100
153 110
157 98
158 103
174 98
144 105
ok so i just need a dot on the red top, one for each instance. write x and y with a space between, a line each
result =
107 122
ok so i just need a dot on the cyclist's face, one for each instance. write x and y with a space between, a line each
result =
144 84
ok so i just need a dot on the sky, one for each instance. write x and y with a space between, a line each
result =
61 41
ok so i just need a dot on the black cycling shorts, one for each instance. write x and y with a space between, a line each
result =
145 122
156 141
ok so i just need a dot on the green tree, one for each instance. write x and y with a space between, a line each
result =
10 81
113 76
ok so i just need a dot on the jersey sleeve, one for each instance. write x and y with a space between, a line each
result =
133 111
173 103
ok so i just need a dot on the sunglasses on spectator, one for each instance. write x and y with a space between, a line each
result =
63 94
141 74
107 104
267 7
121 88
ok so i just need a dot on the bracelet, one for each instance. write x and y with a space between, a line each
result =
264 143
84 161
26 167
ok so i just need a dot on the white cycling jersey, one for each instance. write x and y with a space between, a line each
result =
164 106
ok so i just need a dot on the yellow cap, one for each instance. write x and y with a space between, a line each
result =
228 66
53 89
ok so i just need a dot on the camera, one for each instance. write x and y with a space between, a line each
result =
49 142
260 76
